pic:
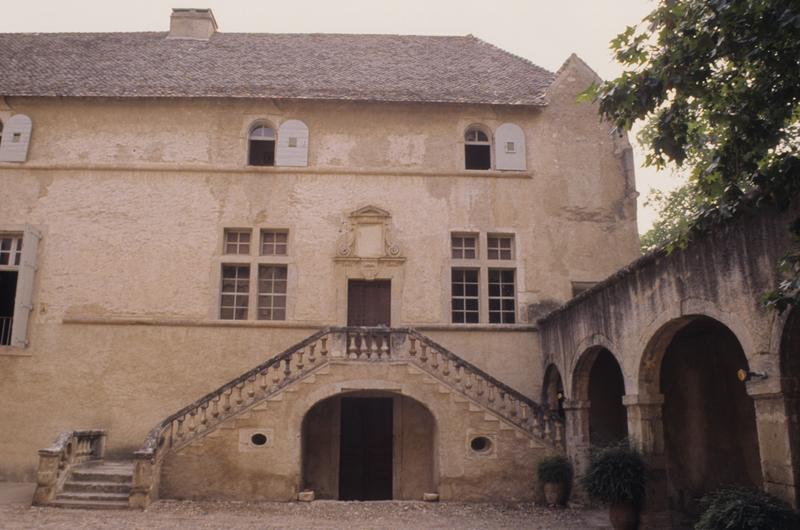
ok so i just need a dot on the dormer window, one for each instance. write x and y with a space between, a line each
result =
477 149
262 146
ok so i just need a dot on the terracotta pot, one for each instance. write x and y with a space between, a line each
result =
623 515
554 493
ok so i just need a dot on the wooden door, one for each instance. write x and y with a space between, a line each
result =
366 449
369 303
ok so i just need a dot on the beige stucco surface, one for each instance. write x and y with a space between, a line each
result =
132 197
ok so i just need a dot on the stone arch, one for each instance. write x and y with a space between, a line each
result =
407 438
582 361
708 417
654 339
553 390
598 380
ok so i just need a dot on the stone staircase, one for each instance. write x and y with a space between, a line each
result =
97 485
72 474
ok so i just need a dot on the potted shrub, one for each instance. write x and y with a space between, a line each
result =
555 475
616 476
745 509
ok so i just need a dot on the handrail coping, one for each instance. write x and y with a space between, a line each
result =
60 443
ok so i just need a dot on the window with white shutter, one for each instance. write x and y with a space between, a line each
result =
15 139
18 266
292 148
510 148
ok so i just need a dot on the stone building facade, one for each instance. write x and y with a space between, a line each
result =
180 207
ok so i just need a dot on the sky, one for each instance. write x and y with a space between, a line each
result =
544 31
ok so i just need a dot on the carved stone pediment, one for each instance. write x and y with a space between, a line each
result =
367 233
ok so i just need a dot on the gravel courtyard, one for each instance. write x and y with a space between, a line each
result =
15 513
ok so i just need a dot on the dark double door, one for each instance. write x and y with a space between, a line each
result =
369 303
366 447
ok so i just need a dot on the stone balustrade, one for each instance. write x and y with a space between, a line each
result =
335 344
69 449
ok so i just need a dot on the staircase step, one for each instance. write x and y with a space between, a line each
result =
106 487
79 475
90 505
97 496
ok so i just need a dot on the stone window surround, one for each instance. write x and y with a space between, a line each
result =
254 260
483 264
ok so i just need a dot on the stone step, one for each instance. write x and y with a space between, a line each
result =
79 475
95 496
89 505
106 487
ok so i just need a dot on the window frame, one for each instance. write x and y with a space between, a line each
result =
483 265
500 296
501 236
464 297
263 231
488 143
261 124
254 260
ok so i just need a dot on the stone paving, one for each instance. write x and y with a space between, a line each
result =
16 513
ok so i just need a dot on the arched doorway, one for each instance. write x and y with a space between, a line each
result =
368 446
790 375
709 425
600 382
553 391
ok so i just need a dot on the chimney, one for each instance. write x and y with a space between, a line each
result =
190 23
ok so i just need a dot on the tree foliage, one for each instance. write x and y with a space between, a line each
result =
717 83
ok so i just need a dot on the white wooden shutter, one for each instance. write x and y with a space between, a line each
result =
509 147
23 301
16 137
292 146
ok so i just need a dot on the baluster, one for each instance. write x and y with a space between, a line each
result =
324 351
534 423
503 403
179 432
434 358
547 430
192 425
480 386
227 405
276 375
557 427
203 416
491 394
412 350
215 407
525 414
468 383
515 405
458 374
300 354
374 352
363 347
385 340
446 368
287 369
351 347
424 355
311 357
264 383
239 397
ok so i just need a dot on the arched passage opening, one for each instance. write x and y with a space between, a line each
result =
790 372
709 424
600 382
553 391
369 445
